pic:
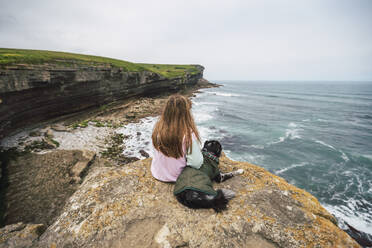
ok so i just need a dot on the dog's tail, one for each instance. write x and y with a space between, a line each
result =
222 198
220 201
195 199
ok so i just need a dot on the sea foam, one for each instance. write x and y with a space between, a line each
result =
361 221
290 167
138 137
292 132
223 94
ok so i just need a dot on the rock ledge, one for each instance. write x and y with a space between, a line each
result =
126 207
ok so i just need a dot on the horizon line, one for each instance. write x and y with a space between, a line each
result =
291 80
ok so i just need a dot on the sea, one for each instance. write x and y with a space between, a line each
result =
316 135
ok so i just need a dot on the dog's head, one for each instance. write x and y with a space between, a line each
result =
213 146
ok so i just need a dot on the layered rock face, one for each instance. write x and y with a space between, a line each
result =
40 184
29 95
127 207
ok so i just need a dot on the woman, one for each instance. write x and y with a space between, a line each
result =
176 140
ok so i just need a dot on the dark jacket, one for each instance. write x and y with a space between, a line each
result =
199 179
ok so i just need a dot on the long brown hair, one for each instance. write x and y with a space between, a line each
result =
174 127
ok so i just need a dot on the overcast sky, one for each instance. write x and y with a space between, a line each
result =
233 39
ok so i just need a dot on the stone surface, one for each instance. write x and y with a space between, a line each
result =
58 128
88 155
144 153
50 143
126 207
20 235
49 133
78 168
39 185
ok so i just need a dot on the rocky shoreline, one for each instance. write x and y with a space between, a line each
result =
60 149
95 130
99 198
67 183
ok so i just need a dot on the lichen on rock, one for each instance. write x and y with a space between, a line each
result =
127 207
20 235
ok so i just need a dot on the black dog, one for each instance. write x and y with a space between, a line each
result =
194 186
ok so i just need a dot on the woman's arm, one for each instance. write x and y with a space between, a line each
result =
195 159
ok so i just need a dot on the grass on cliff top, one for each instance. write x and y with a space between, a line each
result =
27 57
171 71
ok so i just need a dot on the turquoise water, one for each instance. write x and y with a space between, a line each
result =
318 136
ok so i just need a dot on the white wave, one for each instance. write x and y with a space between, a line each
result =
223 94
291 133
290 167
204 103
201 116
139 137
228 154
254 159
257 146
325 144
347 173
206 133
344 157
360 185
361 221
281 139
367 156
292 124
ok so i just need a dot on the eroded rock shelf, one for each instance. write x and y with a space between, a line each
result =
32 95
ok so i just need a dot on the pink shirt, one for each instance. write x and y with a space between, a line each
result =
167 169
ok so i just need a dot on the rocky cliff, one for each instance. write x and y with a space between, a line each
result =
126 207
79 198
36 89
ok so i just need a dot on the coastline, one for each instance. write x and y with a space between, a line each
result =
133 130
112 135
96 130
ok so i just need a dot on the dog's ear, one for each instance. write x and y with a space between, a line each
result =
206 143
218 149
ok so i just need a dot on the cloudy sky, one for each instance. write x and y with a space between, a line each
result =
233 39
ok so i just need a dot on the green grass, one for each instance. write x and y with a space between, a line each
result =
37 57
82 124
171 71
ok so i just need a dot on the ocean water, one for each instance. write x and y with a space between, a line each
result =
316 135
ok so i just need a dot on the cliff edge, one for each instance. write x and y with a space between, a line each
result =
37 86
126 207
